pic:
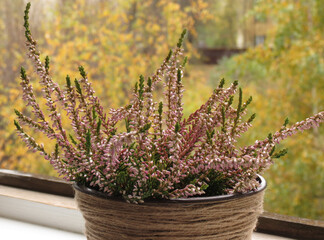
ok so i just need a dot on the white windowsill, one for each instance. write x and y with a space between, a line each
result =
32 215
41 209
14 230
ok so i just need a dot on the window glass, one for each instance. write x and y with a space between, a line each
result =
259 39
279 61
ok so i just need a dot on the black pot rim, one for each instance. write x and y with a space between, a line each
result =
263 184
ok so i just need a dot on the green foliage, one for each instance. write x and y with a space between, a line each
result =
250 120
217 183
179 44
128 129
149 84
23 73
82 72
98 127
17 125
239 107
169 56
94 113
280 153
222 82
141 87
146 127
286 78
286 122
68 81
185 60
160 110
215 186
47 62
56 151
223 119
72 139
26 23
210 135
177 127
179 76
77 86
88 142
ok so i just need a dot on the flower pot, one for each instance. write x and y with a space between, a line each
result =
218 217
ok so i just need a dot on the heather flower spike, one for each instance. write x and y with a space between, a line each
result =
158 153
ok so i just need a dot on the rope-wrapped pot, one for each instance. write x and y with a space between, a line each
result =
219 217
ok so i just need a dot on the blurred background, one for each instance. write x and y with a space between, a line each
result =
274 48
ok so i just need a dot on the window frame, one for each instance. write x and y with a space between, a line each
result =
269 223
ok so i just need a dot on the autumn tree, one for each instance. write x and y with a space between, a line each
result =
116 42
13 154
286 78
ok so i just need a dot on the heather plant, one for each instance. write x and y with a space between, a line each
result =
159 154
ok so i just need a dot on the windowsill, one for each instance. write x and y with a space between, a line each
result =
41 209
29 231
48 201
38 197
13 229
46 216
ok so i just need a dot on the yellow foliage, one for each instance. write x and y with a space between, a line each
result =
114 41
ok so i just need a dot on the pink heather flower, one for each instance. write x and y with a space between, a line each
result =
159 154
